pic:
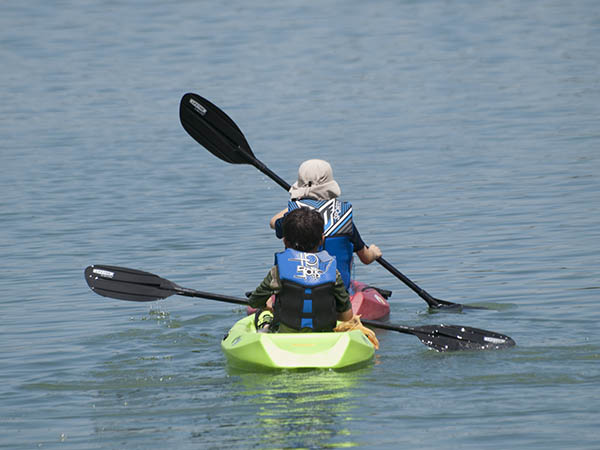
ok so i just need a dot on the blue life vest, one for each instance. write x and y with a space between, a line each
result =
337 216
306 299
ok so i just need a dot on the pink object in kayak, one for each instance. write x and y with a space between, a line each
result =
367 301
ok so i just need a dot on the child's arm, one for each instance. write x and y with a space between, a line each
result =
368 254
269 286
345 316
342 299
279 215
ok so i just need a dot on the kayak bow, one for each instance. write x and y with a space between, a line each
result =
246 348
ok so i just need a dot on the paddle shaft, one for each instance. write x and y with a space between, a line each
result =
431 301
385 326
268 172
240 301
210 296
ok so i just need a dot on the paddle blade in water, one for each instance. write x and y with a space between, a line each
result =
447 338
127 284
214 130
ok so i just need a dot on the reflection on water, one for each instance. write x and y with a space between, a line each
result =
308 409
170 375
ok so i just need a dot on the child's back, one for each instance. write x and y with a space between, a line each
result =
309 291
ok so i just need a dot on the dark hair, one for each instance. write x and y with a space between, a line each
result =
303 229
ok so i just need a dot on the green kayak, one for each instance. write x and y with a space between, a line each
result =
244 347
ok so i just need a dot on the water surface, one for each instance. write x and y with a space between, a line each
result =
465 134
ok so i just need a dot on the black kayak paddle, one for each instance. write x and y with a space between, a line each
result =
219 134
138 286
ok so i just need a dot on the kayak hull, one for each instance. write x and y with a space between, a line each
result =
245 348
366 301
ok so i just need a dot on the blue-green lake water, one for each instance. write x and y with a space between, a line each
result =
466 135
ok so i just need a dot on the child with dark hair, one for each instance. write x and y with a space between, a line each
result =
309 291
316 189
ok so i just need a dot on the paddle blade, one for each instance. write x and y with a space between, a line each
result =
127 284
214 130
448 338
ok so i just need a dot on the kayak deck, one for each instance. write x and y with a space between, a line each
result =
244 347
